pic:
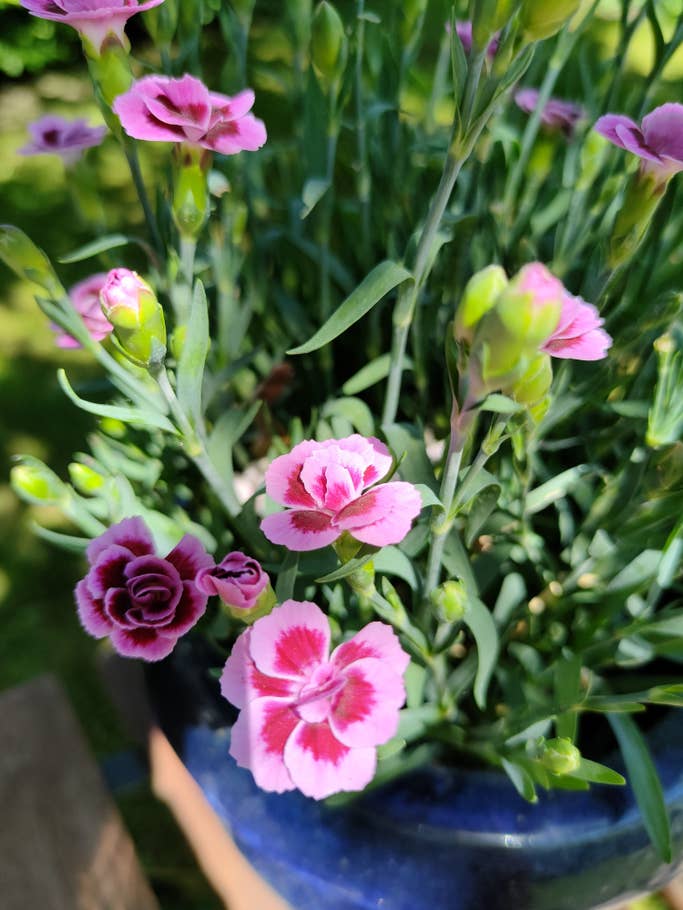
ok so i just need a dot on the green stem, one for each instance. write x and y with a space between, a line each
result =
363 179
136 173
442 526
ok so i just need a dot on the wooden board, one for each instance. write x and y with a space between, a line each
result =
62 842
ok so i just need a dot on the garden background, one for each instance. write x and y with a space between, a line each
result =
42 71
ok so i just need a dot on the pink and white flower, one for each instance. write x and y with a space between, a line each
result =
54 135
85 299
311 720
94 19
579 335
327 489
162 109
658 141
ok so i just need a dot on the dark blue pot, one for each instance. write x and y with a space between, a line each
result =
441 839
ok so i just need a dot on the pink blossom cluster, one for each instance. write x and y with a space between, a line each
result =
311 720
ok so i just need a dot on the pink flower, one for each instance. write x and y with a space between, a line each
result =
556 115
310 720
237 579
536 280
85 299
578 335
161 109
325 487
658 141
464 31
95 19
53 135
144 603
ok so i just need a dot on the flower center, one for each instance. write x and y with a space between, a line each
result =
314 700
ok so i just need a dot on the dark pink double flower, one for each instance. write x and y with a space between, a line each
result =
162 109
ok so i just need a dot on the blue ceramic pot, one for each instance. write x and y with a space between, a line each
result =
442 839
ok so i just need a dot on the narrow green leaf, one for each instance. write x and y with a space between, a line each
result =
556 488
429 497
28 261
126 415
348 568
500 404
407 444
63 541
229 428
479 621
481 509
391 561
671 626
521 779
313 191
95 247
190 372
371 373
354 410
512 593
567 690
644 780
595 773
287 577
382 279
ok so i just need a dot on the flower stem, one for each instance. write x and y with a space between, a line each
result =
442 525
136 173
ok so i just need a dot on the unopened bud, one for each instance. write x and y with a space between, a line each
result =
560 756
191 189
489 17
531 305
533 386
644 193
328 42
86 480
362 581
131 306
479 296
34 482
450 600
541 19
241 584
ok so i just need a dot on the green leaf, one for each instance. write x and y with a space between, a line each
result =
382 279
556 488
28 261
229 428
101 245
479 621
63 541
349 567
391 561
125 414
371 373
190 372
481 509
313 191
500 404
644 780
429 497
287 577
521 779
407 441
595 773
567 691
354 410
512 593
671 626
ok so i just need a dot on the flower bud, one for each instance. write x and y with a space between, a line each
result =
534 385
489 17
34 482
131 306
85 479
643 195
362 581
530 306
241 584
328 42
560 756
479 296
541 19
191 189
450 600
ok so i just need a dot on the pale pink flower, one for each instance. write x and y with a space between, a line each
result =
53 135
325 488
162 109
310 720
95 19
658 142
556 114
535 279
578 335
85 299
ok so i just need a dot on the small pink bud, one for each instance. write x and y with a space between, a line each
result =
131 306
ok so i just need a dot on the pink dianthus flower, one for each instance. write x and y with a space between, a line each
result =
310 720
556 114
325 486
162 109
85 299
95 19
658 141
578 335
53 135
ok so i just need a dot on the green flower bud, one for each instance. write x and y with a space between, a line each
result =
191 190
643 195
111 75
362 581
34 482
530 306
489 17
346 547
85 479
131 306
450 600
479 296
534 385
28 261
560 756
541 19
328 42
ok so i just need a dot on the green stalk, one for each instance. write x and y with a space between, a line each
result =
442 526
363 177
131 153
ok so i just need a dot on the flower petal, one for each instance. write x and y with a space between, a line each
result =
248 134
663 131
365 712
258 739
131 533
291 640
376 455
383 515
189 557
377 640
300 529
189 611
91 611
283 480
319 765
146 644
242 682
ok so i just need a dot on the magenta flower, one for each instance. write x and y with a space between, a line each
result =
325 488
94 19
85 299
53 135
161 109
310 720
238 580
578 335
658 142
464 31
557 115
143 602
